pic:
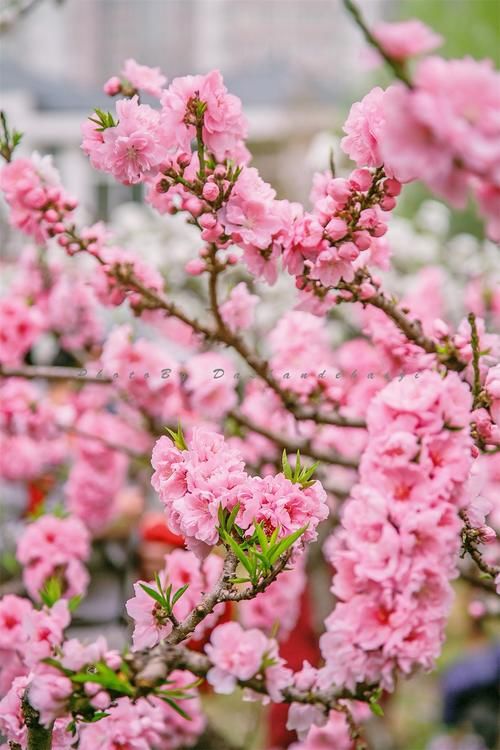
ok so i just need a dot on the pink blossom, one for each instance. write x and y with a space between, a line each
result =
13 609
44 629
56 547
236 654
334 733
130 150
211 384
20 326
203 478
150 80
48 694
404 39
238 310
151 623
223 125
249 215
363 129
35 196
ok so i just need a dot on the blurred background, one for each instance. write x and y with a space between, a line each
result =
297 65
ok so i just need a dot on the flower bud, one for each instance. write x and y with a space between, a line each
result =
362 239
210 191
392 187
207 221
113 86
336 228
339 189
195 267
361 179
387 203
348 251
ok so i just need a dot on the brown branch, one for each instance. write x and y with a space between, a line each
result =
44 372
470 540
292 447
39 737
396 66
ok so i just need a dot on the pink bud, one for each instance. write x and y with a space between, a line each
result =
210 191
63 240
70 204
184 159
486 535
219 171
35 198
387 203
379 230
392 187
361 179
366 290
113 659
336 228
348 251
113 86
232 259
51 216
362 239
194 206
91 688
59 228
339 189
101 700
195 267
74 247
476 609
207 221
300 282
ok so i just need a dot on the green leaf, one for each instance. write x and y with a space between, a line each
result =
153 593
176 707
54 663
237 551
177 437
263 541
232 517
287 469
375 708
51 592
282 546
179 593
74 602
96 717
105 676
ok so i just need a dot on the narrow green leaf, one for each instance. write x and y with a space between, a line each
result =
238 552
179 593
153 594
176 707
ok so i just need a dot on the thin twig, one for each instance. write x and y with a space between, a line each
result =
396 66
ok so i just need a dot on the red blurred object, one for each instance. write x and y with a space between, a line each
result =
154 529
302 645
37 492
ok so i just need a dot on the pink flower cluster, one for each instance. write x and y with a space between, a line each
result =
347 220
333 734
20 326
404 39
239 655
31 443
38 203
204 100
194 483
443 131
55 547
400 534
27 636
135 78
181 567
99 470
131 148
149 722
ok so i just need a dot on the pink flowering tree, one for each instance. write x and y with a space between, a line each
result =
261 442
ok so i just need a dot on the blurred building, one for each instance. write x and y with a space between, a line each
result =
292 62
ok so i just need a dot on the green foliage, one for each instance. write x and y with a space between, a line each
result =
259 553
299 474
52 591
177 437
103 119
164 597
9 140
